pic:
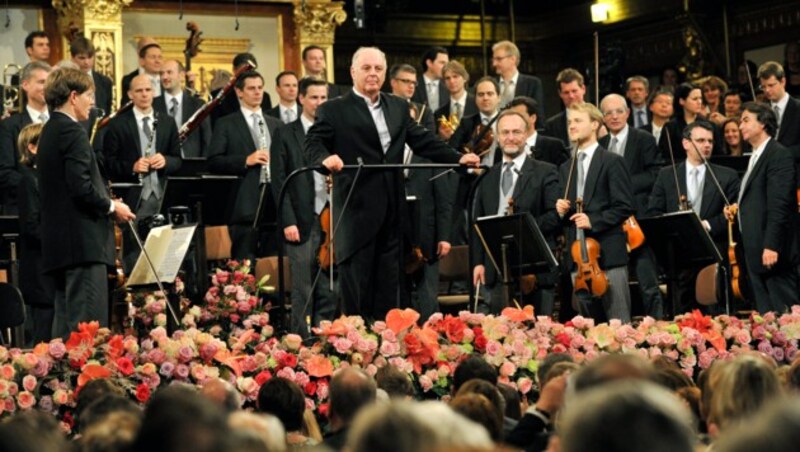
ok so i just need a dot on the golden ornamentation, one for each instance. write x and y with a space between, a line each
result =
72 13
105 55
317 20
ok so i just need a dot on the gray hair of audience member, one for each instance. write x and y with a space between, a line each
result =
261 428
115 431
627 416
66 64
613 367
350 390
637 78
614 96
548 362
558 370
776 428
223 393
745 385
27 70
414 426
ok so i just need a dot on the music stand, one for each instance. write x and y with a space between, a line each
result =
680 242
193 167
129 192
515 245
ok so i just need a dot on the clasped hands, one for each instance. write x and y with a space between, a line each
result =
258 157
581 219
146 164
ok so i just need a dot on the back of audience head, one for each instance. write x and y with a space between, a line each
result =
513 402
613 367
775 429
178 419
105 406
283 399
793 376
32 431
222 393
672 379
395 382
114 432
93 390
480 409
350 390
548 362
256 432
626 416
559 369
473 366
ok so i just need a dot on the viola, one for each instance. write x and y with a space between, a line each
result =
633 232
586 254
482 139
325 254
736 272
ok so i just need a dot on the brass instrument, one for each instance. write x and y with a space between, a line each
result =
97 119
12 93
452 122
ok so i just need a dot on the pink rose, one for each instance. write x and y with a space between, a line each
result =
524 385
56 349
181 371
61 397
7 372
342 345
778 354
507 369
29 383
322 390
742 337
493 348
156 356
425 383
25 400
389 348
185 354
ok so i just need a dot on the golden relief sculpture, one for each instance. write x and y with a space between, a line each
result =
71 13
317 20
105 56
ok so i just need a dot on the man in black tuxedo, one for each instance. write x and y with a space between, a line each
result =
230 104
531 186
77 211
705 199
660 108
787 108
305 199
134 154
32 77
601 180
430 90
240 146
150 62
505 60
313 58
542 148
571 91
637 89
82 51
370 127
179 105
428 225
643 160
767 211
287 110
461 103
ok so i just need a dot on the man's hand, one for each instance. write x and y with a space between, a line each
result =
291 233
562 207
445 132
157 161
443 249
479 275
333 163
730 211
122 213
142 166
258 157
769 258
552 395
581 221
470 160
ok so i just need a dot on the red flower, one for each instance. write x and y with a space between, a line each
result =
319 366
323 409
143 392
288 360
422 346
115 347
398 320
563 339
263 377
125 366
68 419
705 326
480 339
454 329
310 388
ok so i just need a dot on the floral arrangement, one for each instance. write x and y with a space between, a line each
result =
229 336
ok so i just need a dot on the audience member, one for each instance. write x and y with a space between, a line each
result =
395 382
114 432
32 431
256 432
285 400
222 393
479 409
350 390
776 428
473 366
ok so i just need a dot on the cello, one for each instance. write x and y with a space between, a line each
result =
586 254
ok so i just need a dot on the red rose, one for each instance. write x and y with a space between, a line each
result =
454 328
143 392
263 377
563 339
69 420
480 342
323 409
288 360
125 366
310 388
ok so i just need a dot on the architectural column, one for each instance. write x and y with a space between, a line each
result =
316 21
101 22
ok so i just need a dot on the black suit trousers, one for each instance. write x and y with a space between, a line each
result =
81 293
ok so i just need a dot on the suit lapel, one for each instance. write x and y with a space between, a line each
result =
598 160
246 137
788 119
133 128
709 192
524 178
361 109
681 170
759 164
493 192
630 154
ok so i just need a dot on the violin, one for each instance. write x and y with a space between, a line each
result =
633 232
586 253
482 139
325 255
736 272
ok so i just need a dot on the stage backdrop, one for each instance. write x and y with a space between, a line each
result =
260 36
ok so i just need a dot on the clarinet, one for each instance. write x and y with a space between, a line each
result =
262 144
148 151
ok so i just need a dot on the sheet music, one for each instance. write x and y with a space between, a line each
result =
167 248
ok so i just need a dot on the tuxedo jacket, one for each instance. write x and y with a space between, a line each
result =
122 147
76 226
9 154
789 132
344 126
608 202
126 84
471 108
643 161
230 104
32 283
536 191
335 91
556 127
275 112
434 213
421 92
768 209
103 92
550 150
531 86
196 144
286 156
231 143
664 197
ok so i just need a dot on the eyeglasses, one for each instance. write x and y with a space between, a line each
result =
407 81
